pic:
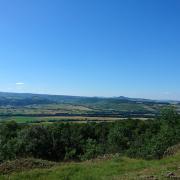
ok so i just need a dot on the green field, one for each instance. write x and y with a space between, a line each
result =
114 168
48 119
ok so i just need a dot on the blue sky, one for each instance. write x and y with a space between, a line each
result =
91 48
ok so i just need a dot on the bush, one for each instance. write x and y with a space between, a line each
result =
24 164
91 150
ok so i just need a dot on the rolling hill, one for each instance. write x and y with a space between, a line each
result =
24 104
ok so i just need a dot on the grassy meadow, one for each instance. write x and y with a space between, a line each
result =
114 168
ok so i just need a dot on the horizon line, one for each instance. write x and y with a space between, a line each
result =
52 94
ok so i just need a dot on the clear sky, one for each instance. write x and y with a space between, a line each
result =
91 47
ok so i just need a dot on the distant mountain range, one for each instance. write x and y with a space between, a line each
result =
8 98
99 105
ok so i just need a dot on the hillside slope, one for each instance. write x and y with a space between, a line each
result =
114 168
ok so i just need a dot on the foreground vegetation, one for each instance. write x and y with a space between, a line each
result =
127 149
117 167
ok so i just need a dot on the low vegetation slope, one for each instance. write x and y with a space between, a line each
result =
115 168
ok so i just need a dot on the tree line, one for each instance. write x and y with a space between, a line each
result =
147 139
